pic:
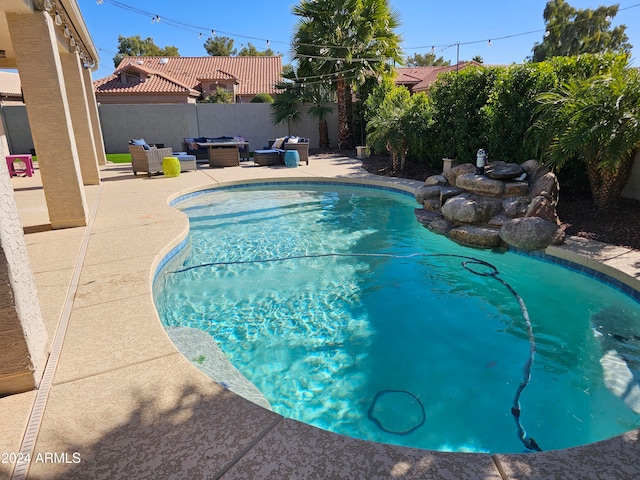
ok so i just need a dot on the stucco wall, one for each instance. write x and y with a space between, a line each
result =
169 124
23 337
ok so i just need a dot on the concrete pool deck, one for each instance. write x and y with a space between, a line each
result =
124 403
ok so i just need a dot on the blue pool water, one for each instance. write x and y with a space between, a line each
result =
400 343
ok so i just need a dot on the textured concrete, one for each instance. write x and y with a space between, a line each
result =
23 337
129 405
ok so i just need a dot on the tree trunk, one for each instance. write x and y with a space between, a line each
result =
607 183
345 140
323 132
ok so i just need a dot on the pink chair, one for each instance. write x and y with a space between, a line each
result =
25 159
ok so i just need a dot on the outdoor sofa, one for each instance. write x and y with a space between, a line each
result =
274 154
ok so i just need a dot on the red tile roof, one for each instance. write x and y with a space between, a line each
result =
418 79
180 74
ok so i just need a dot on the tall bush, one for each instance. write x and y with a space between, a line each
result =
595 122
459 125
509 108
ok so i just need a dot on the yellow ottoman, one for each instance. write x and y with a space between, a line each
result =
170 166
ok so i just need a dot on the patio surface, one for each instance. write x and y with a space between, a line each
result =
124 403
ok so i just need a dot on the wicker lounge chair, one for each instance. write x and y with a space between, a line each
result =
149 161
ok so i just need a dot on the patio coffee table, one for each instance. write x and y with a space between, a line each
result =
224 154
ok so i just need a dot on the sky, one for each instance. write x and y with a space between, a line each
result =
423 24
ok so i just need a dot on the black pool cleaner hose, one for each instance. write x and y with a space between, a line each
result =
467 263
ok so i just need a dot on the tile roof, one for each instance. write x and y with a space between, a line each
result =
178 74
419 78
10 83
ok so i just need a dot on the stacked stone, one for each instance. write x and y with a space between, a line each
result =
510 204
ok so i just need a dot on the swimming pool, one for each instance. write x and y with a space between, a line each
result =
399 343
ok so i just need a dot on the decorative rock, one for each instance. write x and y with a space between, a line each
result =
546 183
480 184
441 226
455 172
432 204
447 192
498 220
512 204
531 166
424 192
503 171
542 206
469 208
516 188
531 233
515 206
537 171
425 217
436 180
476 236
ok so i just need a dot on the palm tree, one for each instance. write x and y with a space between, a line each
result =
286 106
595 121
345 40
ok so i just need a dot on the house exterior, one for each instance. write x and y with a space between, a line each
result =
418 79
10 89
188 79
53 53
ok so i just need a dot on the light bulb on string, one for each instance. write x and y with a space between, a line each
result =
57 19
99 2
67 32
489 44
72 41
47 5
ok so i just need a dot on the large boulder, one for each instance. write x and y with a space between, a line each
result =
425 217
476 236
546 183
470 208
427 191
480 184
503 171
516 188
531 233
453 173
543 206
516 206
436 180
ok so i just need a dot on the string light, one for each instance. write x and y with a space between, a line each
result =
47 5
441 47
58 19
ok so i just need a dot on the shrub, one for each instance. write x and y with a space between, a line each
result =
262 98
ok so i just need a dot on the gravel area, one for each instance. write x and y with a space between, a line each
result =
578 214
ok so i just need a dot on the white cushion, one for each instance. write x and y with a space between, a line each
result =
278 143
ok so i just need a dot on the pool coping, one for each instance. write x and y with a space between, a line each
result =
112 387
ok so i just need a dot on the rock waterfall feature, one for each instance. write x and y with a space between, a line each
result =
509 204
